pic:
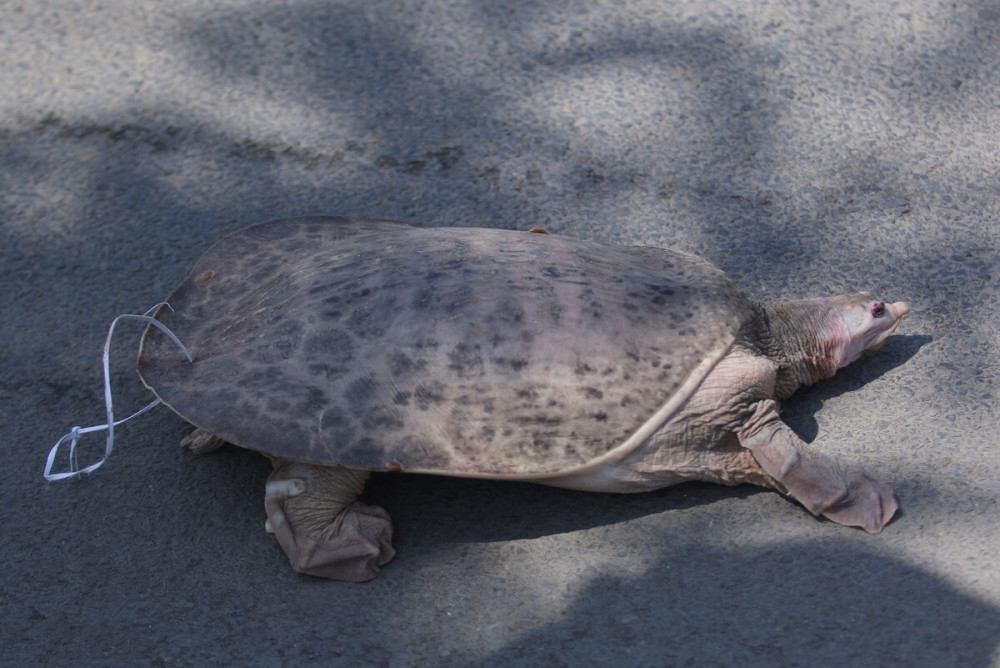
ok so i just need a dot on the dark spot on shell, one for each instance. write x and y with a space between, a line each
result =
465 360
554 310
539 444
364 449
226 395
582 368
542 419
381 417
601 416
513 364
426 343
313 400
278 405
550 272
401 398
333 306
660 289
593 393
508 310
268 380
429 394
321 370
268 354
334 418
369 320
400 364
425 298
334 345
459 298
425 452
589 303
360 393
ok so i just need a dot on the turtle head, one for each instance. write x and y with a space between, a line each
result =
869 323
812 338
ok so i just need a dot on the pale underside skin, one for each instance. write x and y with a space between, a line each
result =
338 347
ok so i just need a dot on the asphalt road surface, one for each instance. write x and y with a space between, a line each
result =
805 148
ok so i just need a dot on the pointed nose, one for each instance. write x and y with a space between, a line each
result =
899 309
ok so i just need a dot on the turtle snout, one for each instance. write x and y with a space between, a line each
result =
897 310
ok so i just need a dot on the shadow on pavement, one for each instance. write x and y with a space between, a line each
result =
780 605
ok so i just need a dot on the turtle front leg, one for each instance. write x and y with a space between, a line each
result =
323 529
846 493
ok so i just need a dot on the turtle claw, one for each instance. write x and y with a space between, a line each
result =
312 512
279 490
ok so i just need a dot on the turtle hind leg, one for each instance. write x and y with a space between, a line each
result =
320 525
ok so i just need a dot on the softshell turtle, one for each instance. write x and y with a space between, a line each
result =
339 347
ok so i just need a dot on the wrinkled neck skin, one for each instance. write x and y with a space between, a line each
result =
808 340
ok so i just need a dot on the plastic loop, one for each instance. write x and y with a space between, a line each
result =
76 432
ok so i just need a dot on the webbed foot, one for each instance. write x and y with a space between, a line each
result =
321 527
846 493
857 498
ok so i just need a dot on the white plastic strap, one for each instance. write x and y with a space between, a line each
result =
74 434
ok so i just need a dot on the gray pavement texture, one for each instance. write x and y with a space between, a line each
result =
806 148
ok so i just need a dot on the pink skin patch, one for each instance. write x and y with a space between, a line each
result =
869 322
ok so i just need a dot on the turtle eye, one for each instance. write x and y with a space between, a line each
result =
878 310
